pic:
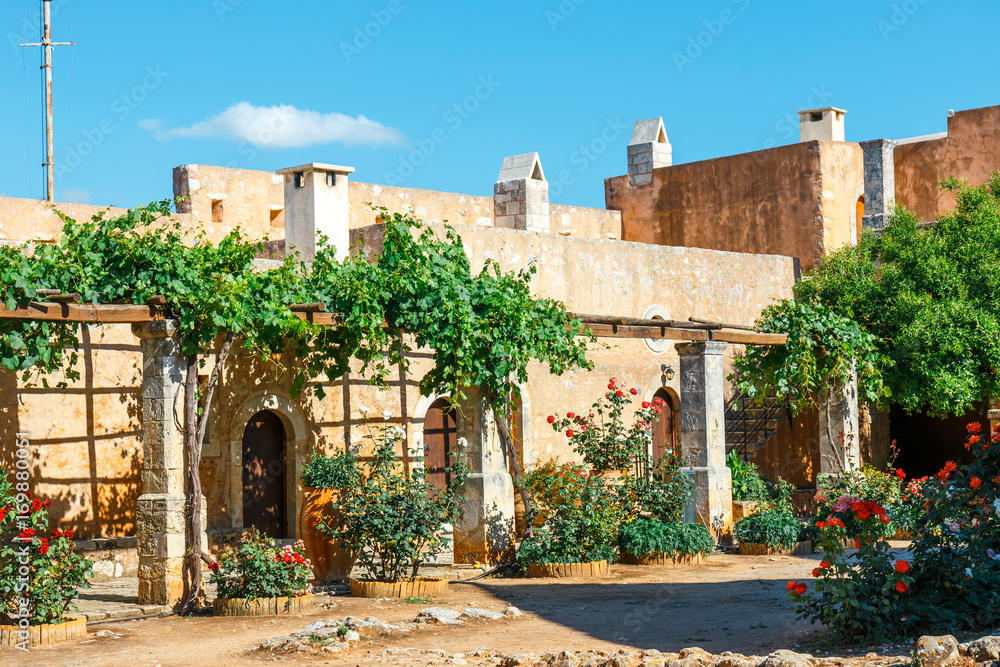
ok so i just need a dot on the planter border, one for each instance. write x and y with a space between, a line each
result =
593 570
421 587
262 606
664 559
41 635
804 548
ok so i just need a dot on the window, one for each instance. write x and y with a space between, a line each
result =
816 117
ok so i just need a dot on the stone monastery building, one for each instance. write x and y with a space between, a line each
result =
718 240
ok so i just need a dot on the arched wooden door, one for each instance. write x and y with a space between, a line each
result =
264 474
663 430
440 435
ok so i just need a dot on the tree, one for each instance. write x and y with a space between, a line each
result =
918 307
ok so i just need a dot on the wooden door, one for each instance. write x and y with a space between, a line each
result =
663 430
264 474
440 435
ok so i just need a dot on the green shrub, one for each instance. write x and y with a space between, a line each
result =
260 568
748 483
774 528
646 536
334 471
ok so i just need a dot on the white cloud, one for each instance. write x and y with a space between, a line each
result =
281 126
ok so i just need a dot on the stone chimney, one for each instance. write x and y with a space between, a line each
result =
648 150
880 181
826 124
521 195
316 203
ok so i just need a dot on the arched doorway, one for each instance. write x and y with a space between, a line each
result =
859 214
264 466
440 434
663 430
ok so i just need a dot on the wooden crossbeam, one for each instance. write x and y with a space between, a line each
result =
600 326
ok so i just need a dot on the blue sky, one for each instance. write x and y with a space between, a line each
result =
436 94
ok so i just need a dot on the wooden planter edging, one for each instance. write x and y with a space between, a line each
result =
800 549
421 587
75 628
663 559
262 606
560 570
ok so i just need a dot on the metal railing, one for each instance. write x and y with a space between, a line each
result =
749 425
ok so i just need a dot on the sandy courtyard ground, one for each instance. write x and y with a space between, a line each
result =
731 603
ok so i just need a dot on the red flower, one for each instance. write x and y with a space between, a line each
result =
902 566
900 474
619 393
658 401
835 522
611 385
27 533
570 415
213 566
44 547
69 534
645 404
47 503
821 524
552 419
569 433
974 427
36 505
633 391
946 471
818 571
801 589
791 585
901 587
57 533
975 482
825 565
884 519
857 544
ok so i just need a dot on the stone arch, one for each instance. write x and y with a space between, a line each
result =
415 425
662 384
295 451
858 197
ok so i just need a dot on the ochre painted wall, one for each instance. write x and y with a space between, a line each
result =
795 200
971 151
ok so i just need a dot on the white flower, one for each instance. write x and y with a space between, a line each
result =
996 506
968 572
463 443
387 415
364 410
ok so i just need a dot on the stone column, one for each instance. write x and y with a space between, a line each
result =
160 510
880 181
485 530
839 441
521 195
703 433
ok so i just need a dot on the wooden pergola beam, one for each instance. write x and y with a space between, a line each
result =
601 326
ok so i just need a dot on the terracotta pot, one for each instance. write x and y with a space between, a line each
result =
600 568
329 561
421 587
262 606
74 627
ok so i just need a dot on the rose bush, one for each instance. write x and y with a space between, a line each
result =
260 568
55 573
950 580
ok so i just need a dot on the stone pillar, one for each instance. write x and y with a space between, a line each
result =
703 433
160 510
521 195
839 440
316 202
880 181
649 149
485 530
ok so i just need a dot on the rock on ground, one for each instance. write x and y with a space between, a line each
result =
936 651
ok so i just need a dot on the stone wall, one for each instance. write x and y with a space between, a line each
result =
971 150
796 200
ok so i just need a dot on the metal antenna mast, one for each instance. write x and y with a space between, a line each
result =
47 45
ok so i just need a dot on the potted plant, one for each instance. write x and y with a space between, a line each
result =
652 541
261 578
392 519
607 444
34 603
325 477
750 488
772 528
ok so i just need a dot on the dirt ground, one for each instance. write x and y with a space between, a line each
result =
731 603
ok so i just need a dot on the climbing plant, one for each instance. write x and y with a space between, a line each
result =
917 306
484 327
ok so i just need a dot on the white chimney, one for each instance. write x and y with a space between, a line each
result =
316 202
826 124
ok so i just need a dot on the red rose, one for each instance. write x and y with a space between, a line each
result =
658 400
47 503
821 524
569 433
902 566
974 427
570 415
825 565
818 571
57 533
69 534
551 419
619 393
633 391
801 589
791 585
835 522
36 505
611 385
900 474
975 483
645 404
44 547
27 533
901 587
213 566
